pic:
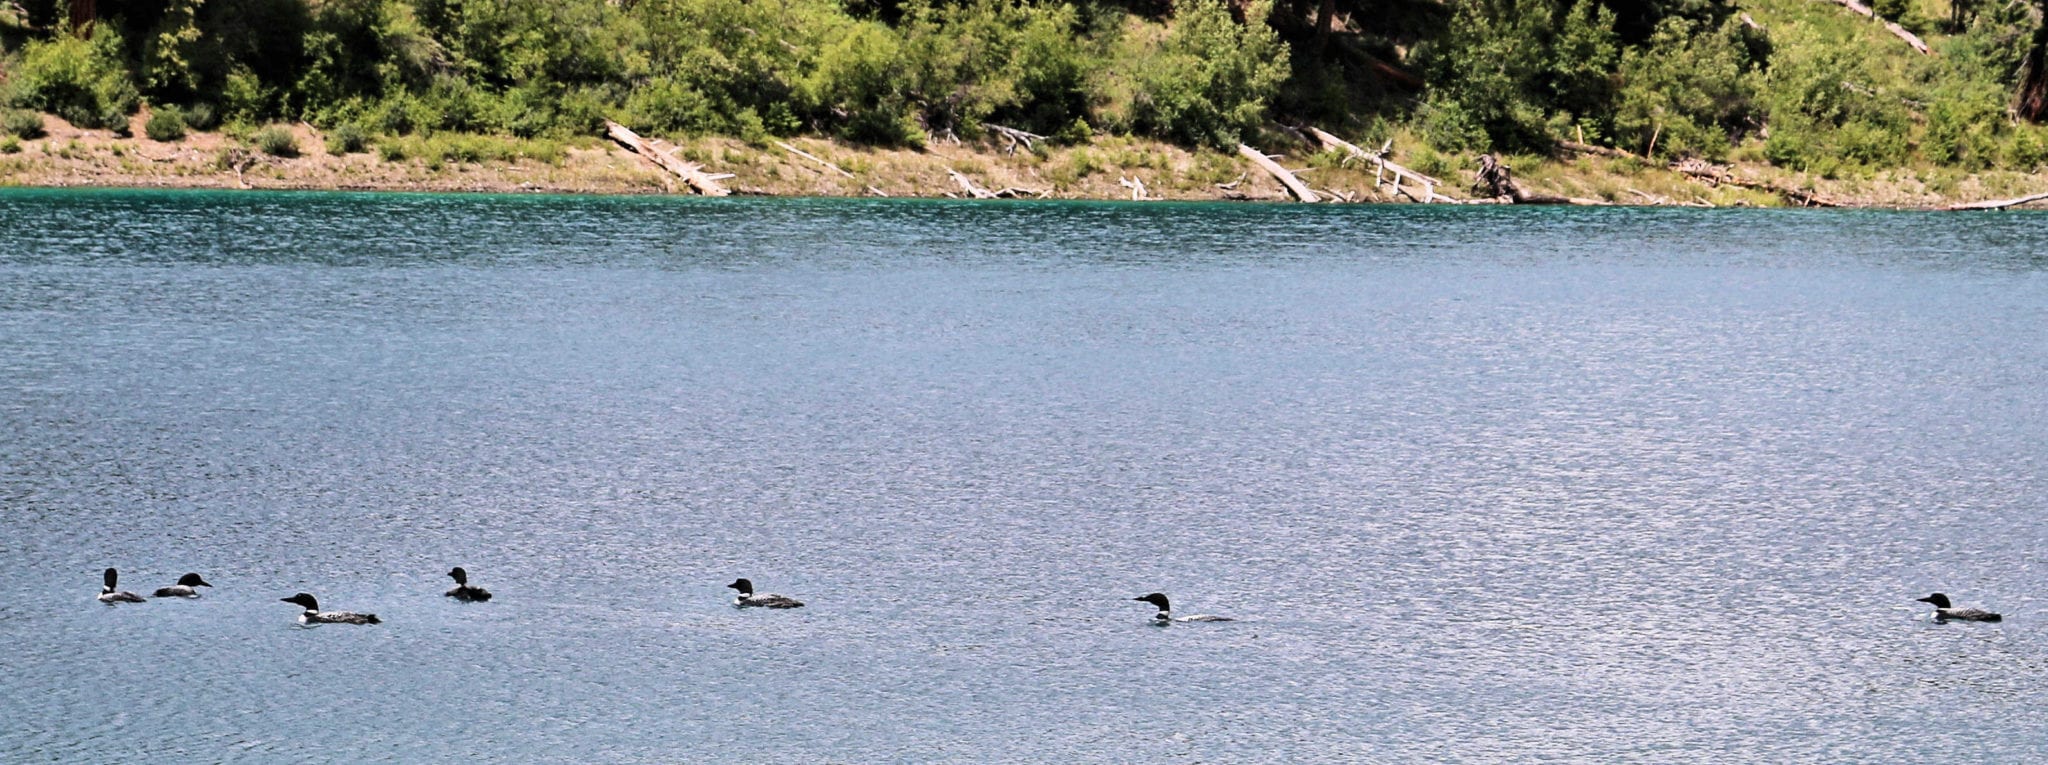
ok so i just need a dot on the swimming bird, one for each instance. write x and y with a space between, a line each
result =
183 589
1165 615
747 598
1943 611
110 596
314 615
463 592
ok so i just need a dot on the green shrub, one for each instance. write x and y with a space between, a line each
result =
166 124
347 139
1209 82
200 117
276 141
83 81
10 145
21 123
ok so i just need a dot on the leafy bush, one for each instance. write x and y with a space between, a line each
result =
166 124
10 145
21 123
1208 82
276 141
347 139
83 81
1687 91
200 117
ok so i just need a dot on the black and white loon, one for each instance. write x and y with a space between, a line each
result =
1165 615
463 592
1944 611
313 614
183 589
747 598
109 595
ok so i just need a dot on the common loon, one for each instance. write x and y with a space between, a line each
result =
1165 615
313 614
1943 611
463 592
747 598
109 595
183 589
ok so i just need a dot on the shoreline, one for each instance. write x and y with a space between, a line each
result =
1105 169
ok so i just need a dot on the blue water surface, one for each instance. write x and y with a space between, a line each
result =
1479 485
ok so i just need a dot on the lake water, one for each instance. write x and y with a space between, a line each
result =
1479 484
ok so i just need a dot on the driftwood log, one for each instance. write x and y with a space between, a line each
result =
1724 176
813 158
1998 204
968 185
1383 166
1028 140
1137 187
1294 185
665 158
1497 181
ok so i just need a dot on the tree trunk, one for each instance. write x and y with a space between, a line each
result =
2030 98
82 15
1326 17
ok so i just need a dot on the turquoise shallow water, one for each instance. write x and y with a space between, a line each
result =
1479 485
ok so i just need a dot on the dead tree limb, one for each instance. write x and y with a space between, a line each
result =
968 185
813 158
1722 176
691 172
1999 204
1294 185
1028 140
1383 166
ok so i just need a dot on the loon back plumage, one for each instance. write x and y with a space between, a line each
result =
108 594
747 598
463 591
184 587
1165 615
1944 611
313 614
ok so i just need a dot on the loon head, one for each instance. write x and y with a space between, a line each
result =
744 585
111 578
1937 599
461 576
1157 599
192 580
304 600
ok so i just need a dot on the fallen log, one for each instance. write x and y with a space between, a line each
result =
1294 185
1029 140
691 172
1383 165
1495 180
969 186
1137 187
1999 204
1718 175
813 158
